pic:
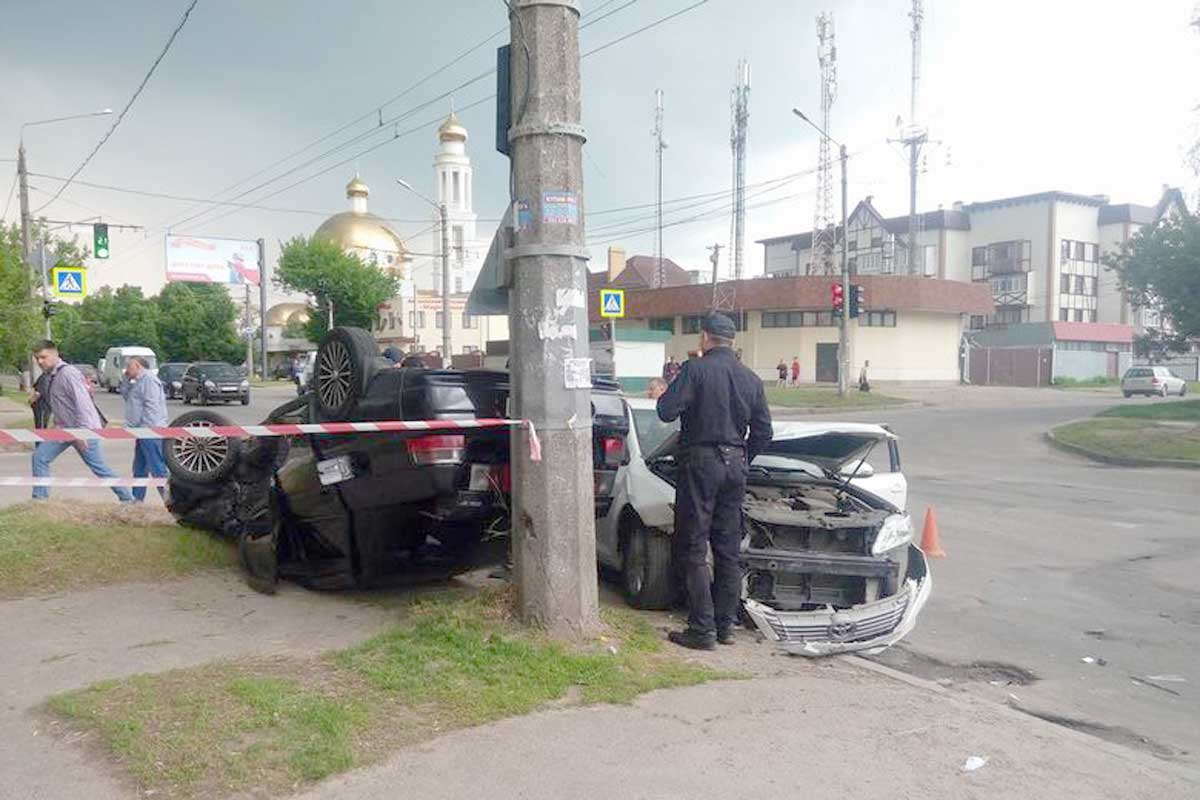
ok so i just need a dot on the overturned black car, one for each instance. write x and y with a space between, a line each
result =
334 511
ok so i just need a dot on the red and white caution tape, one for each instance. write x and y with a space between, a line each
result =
13 435
76 483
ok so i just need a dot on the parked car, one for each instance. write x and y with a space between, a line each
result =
91 373
112 368
828 555
170 375
213 381
342 511
1152 381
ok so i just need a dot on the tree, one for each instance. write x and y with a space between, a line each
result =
320 268
196 322
107 319
1159 267
20 324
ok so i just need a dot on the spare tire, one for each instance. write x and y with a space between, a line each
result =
207 459
346 360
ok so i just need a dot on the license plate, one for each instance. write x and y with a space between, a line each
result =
479 477
335 470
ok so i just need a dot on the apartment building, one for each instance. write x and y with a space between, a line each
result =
1042 254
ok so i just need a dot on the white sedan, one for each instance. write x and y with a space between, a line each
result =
827 544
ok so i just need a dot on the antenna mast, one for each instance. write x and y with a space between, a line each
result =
659 146
740 118
823 226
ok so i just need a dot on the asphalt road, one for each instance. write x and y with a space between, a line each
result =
1053 560
262 400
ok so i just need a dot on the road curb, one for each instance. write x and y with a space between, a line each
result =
1182 771
1106 458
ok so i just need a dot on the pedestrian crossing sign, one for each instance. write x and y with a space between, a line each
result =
612 303
69 282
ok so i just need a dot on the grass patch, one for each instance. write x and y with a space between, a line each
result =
272 726
1119 435
1179 411
55 546
822 397
1074 384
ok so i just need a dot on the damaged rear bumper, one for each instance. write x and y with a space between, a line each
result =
869 627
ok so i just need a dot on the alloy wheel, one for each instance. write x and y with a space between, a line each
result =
200 454
334 375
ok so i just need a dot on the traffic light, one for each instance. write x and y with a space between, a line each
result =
836 298
100 240
49 308
858 300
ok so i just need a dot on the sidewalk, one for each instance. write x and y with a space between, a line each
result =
831 728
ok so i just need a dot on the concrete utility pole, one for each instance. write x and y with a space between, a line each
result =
262 307
660 144
554 537
715 249
23 188
843 322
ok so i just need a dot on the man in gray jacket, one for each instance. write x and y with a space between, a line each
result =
145 406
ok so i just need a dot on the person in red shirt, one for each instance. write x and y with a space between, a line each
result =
795 370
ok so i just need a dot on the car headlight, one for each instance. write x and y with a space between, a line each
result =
245 384
209 385
176 384
896 530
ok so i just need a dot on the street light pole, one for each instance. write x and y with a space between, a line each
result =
843 322
443 218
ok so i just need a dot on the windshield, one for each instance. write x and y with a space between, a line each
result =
220 372
651 431
151 361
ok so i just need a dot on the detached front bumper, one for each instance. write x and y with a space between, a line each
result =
869 627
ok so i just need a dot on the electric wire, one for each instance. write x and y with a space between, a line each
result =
137 92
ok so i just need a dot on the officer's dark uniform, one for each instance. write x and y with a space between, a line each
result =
718 399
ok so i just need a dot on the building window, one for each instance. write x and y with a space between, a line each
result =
1011 316
439 320
468 322
852 245
416 319
691 324
457 189
456 239
877 319
1064 315
1064 284
977 322
663 324
458 284
978 256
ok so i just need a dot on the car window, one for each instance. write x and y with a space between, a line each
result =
651 431
221 371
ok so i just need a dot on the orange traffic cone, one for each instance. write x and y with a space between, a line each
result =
929 536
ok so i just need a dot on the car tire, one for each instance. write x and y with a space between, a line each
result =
646 567
206 460
1163 391
1127 395
1183 390
346 360
246 400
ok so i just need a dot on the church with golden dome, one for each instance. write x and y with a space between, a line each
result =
369 237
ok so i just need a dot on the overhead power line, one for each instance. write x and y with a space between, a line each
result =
137 92
11 190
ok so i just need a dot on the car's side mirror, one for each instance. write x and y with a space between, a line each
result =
856 470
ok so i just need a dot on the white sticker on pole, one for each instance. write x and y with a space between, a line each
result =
578 373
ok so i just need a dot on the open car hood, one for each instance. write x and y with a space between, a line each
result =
829 445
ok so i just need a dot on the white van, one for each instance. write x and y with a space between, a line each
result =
112 368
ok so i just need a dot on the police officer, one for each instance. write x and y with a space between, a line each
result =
718 399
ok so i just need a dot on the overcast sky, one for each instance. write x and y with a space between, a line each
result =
1023 96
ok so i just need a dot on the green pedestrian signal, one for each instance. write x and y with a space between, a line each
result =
100 240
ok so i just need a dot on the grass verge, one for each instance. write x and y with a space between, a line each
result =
270 726
1120 436
1179 411
1073 384
55 546
822 397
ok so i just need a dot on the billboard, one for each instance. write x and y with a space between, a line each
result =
206 260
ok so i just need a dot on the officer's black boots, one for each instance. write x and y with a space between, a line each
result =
693 639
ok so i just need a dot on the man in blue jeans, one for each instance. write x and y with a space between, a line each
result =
145 406
71 406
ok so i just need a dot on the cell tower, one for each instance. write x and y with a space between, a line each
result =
660 144
913 137
739 107
823 227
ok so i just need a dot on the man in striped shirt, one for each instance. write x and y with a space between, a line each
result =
71 406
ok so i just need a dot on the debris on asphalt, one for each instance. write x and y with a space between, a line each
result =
1167 678
1149 682
973 763
1096 633
1100 662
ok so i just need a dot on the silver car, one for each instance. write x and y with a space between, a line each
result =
1152 381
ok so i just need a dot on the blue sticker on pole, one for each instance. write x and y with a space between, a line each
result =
560 208
524 216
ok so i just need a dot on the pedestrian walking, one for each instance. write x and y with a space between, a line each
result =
864 384
71 406
795 370
145 406
782 369
718 401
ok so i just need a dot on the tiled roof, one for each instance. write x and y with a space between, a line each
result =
930 221
892 292
1092 332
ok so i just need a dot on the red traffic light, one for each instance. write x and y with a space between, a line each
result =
836 297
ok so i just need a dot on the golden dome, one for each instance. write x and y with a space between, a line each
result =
452 130
366 234
283 314
356 188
